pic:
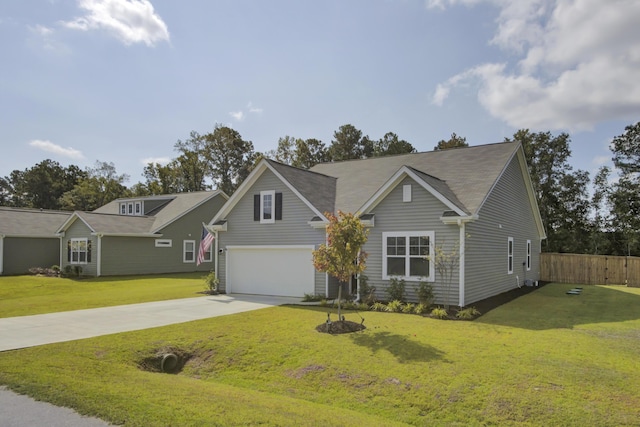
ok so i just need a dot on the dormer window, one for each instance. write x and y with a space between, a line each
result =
131 208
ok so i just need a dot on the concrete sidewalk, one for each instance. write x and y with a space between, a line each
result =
29 331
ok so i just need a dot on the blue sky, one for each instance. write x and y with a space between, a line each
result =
123 80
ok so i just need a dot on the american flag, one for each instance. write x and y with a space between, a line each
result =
205 243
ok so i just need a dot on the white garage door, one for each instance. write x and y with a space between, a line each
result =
277 270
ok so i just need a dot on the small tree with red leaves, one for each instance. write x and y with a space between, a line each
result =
342 255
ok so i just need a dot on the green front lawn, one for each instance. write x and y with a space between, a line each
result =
545 359
26 295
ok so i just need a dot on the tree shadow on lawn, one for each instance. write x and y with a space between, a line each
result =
402 347
550 307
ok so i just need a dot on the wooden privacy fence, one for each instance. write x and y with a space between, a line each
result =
590 269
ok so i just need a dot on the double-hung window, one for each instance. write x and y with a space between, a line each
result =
189 251
408 255
78 251
267 207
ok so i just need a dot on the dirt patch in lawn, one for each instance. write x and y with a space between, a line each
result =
340 327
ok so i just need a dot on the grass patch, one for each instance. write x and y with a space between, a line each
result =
27 295
271 367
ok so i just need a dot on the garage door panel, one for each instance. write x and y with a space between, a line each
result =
270 270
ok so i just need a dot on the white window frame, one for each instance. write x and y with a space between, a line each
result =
138 209
407 235
406 193
130 208
510 255
263 195
528 255
77 242
164 243
123 208
192 251
208 255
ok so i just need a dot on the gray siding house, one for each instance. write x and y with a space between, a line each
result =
145 235
477 202
28 239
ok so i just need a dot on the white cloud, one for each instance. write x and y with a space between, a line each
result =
159 160
253 109
130 21
575 64
50 147
238 115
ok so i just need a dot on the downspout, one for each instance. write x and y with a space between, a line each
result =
99 256
1 254
461 263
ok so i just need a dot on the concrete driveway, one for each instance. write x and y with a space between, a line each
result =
29 331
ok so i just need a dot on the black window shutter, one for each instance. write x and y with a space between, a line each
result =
89 251
278 206
256 207
68 250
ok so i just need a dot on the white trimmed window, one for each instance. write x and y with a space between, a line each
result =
164 243
189 251
408 255
528 255
79 249
138 208
123 208
510 255
267 207
208 255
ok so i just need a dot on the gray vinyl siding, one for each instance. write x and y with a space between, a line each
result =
79 230
139 255
293 229
506 213
21 253
423 213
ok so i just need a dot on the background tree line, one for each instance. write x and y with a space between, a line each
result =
580 216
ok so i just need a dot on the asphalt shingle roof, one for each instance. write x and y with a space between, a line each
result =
30 222
318 189
463 175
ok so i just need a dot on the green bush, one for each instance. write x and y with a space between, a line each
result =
378 306
363 307
408 308
367 293
349 305
396 289
211 282
420 308
439 313
313 297
424 291
395 306
324 303
467 313
77 270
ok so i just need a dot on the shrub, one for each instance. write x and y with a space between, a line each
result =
420 308
211 282
349 305
439 313
408 308
378 306
395 306
467 313
324 303
77 270
363 307
367 293
396 289
424 291
313 297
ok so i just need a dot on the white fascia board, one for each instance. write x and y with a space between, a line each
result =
246 185
522 162
240 191
100 234
396 179
70 221
458 219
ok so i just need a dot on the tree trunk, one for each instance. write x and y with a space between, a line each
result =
340 301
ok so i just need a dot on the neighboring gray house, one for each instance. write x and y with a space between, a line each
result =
28 239
143 235
478 199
